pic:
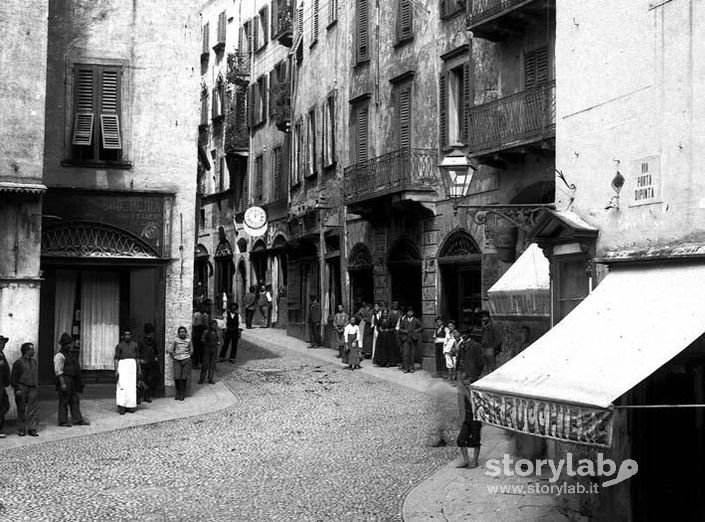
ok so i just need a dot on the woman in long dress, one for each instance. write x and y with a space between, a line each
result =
126 373
352 343
386 351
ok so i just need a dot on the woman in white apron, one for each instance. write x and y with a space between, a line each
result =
126 373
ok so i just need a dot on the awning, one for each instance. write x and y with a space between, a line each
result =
525 289
22 188
563 385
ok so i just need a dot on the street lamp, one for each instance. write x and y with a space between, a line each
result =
456 173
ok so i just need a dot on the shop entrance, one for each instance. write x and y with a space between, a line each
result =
361 276
404 264
460 266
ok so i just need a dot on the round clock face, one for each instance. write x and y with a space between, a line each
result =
255 217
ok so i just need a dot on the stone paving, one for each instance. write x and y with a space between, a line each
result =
305 440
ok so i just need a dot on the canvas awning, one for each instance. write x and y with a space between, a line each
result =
525 289
563 385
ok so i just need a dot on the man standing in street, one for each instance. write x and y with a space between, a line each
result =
314 322
491 342
200 325
4 383
249 302
68 383
232 333
24 380
409 331
149 362
210 340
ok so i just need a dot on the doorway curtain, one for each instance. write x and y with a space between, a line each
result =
64 304
100 319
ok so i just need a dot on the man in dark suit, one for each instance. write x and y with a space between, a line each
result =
314 321
232 333
409 332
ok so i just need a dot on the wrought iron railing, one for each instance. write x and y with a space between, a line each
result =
520 118
401 170
285 26
238 68
481 10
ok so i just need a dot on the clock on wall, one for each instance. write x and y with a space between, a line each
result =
255 217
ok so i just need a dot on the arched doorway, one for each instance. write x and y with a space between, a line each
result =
361 275
241 284
460 264
258 258
203 271
404 264
224 272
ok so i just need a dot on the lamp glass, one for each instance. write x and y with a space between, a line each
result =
456 172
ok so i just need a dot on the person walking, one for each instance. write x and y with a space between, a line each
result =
249 302
340 321
199 325
180 353
439 339
4 383
471 362
232 333
491 342
68 383
149 362
409 330
24 380
127 372
211 342
352 343
314 321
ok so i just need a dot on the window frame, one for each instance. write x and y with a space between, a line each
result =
447 11
404 32
315 22
362 27
359 106
262 29
311 142
332 14
258 193
453 61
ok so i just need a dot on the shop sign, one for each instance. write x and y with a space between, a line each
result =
554 420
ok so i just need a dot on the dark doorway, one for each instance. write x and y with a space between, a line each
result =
459 261
361 276
404 263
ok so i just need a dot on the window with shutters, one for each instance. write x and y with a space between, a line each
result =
261 35
205 47
259 179
451 8
97 132
220 35
221 174
536 67
405 21
246 44
258 107
297 163
360 132
454 92
328 115
403 99
314 22
218 97
362 32
277 168
332 13
204 106
311 163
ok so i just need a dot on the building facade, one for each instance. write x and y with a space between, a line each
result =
118 216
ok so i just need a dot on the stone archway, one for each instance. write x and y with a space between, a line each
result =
404 264
460 266
360 269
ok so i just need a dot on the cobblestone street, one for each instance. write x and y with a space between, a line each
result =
307 441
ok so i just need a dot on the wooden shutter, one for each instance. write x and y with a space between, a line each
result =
264 15
221 174
265 98
300 20
443 8
255 33
443 110
222 23
206 47
259 179
331 114
272 84
109 106
405 116
405 17
467 101
363 49
84 113
315 20
536 69
251 105
277 160
332 11
274 22
362 134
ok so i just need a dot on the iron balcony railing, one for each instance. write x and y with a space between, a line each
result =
402 170
521 118
238 68
482 10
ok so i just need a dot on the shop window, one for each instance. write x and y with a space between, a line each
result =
97 132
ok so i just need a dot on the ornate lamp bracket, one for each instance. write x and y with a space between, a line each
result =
524 217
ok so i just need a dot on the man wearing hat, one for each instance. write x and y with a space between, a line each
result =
4 383
68 383
24 379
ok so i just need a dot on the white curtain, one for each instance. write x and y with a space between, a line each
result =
275 288
100 319
64 303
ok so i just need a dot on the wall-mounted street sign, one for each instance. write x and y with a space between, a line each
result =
255 221
645 187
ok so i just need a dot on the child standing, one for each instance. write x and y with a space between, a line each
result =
180 352
450 350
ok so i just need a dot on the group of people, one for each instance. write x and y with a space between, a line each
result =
258 298
211 342
24 380
386 335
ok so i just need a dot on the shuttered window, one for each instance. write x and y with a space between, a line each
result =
311 163
361 133
404 112
448 8
96 133
263 28
332 11
300 19
443 110
205 48
314 22
259 179
330 103
246 38
222 25
204 107
277 168
405 20
362 33
455 94
536 67
221 174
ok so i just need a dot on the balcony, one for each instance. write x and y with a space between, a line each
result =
238 69
237 138
285 26
497 20
402 175
511 124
